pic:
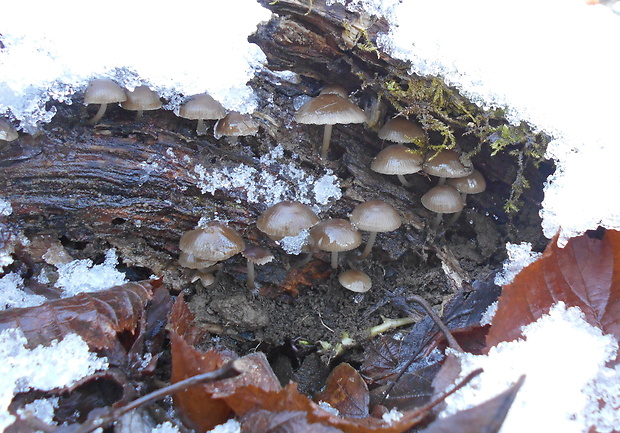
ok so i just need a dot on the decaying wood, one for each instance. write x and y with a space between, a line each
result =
134 186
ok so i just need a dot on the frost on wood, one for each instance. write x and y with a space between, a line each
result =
61 364
562 357
43 61
283 180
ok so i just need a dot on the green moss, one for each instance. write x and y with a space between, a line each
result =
443 110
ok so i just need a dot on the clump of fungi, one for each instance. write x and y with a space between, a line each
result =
374 216
329 109
103 92
202 107
141 99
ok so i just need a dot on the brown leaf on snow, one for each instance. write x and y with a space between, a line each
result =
346 391
585 274
96 317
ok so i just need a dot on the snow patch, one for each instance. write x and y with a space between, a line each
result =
520 256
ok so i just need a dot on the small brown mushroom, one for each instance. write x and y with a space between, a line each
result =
334 89
398 160
335 235
202 107
442 199
401 130
103 92
356 281
235 124
472 184
142 98
329 109
214 242
446 164
255 255
7 132
374 216
286 218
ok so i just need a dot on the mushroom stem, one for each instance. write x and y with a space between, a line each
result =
456 215
334 259
251 274
436 221
442 181
327 136
402 179
369 244
99 114
201 128
139 114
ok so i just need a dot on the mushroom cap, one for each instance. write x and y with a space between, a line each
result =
375 216
257 255
286 218
356 281
446 163
397 159
335 235
213 242
334 89
235 124
472 184
443 199
202 106
102 91
7 132
142 98
400 130
192 262
329 109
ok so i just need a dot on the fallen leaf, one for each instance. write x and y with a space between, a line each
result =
487 417
264 421
585 274
96 317
346 392
196 406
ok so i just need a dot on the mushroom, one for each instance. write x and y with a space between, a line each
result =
446 164
334 89
103 92
188 260
214 242
142 98
329 109
205 276
7 132
255 255
202 107
235 124
374 216
397 159
442 199
472 184
335 235
401 130
286 218
356 281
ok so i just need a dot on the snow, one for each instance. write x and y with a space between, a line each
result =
563 359
54 50
83 276
13 294
44 368
230 426
519 257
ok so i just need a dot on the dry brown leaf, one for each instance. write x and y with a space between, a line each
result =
346 391
264 421
585 274
196 405
96 317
